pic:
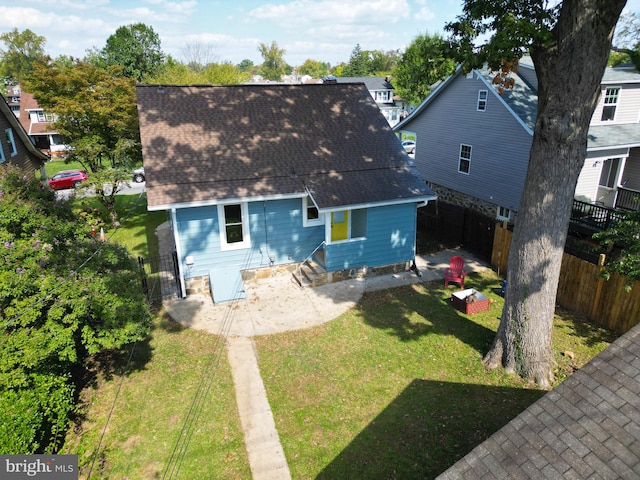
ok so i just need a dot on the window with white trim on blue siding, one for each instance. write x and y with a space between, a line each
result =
464 161
482 100
311 216
234 226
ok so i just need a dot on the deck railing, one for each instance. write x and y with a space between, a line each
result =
595 217
628 199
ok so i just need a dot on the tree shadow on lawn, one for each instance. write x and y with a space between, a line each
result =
426 429
414 311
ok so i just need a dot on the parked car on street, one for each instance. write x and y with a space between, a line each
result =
67 179
138 175
409 146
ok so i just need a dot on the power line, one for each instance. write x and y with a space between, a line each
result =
182 443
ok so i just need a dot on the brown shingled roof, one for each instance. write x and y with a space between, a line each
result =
28 102
208 143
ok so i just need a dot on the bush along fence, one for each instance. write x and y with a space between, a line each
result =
582 289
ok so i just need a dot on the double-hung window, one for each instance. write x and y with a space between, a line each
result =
234 226
611 95
11 142
464 161
482 100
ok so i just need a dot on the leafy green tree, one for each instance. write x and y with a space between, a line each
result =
273 66
97 115
176 73
383 63
358 65
314 68
569 43
247 66
136 48
224 74
626 43
64 296
625 235
21 50
425 62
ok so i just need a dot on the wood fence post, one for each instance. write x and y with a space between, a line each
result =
595 305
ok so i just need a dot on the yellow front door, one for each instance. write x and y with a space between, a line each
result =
339 225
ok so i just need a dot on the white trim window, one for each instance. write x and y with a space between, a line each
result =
310 215
483 95
611 95
2 158
233 219
464 160
383 95
12 143
503 214
609 173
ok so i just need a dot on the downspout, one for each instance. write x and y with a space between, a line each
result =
176 240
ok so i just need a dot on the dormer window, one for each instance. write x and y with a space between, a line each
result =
383 96
482 100
611 95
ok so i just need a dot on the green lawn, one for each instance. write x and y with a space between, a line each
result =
394 388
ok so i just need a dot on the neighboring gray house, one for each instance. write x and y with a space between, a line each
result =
472 144
382 92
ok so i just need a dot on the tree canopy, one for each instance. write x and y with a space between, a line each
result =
21 50
625 235
314 68
175 73
569 43
425 62
136 48
64 295
97 114
273 65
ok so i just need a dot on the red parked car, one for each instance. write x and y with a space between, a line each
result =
67 179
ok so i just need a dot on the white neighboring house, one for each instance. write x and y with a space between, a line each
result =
39 126
382 92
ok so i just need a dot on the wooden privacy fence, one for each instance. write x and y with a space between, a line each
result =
581 289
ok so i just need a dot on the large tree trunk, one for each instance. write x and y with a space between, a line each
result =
569 74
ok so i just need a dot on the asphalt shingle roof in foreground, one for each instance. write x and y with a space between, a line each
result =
587 427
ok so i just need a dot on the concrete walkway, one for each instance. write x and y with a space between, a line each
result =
266 456
277 305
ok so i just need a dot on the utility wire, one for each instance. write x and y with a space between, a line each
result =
182 443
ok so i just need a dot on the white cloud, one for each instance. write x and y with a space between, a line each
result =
332 12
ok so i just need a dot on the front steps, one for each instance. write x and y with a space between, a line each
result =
310 274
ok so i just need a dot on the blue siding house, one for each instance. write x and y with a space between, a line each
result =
260 179
473 142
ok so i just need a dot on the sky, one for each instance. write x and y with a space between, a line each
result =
324 30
